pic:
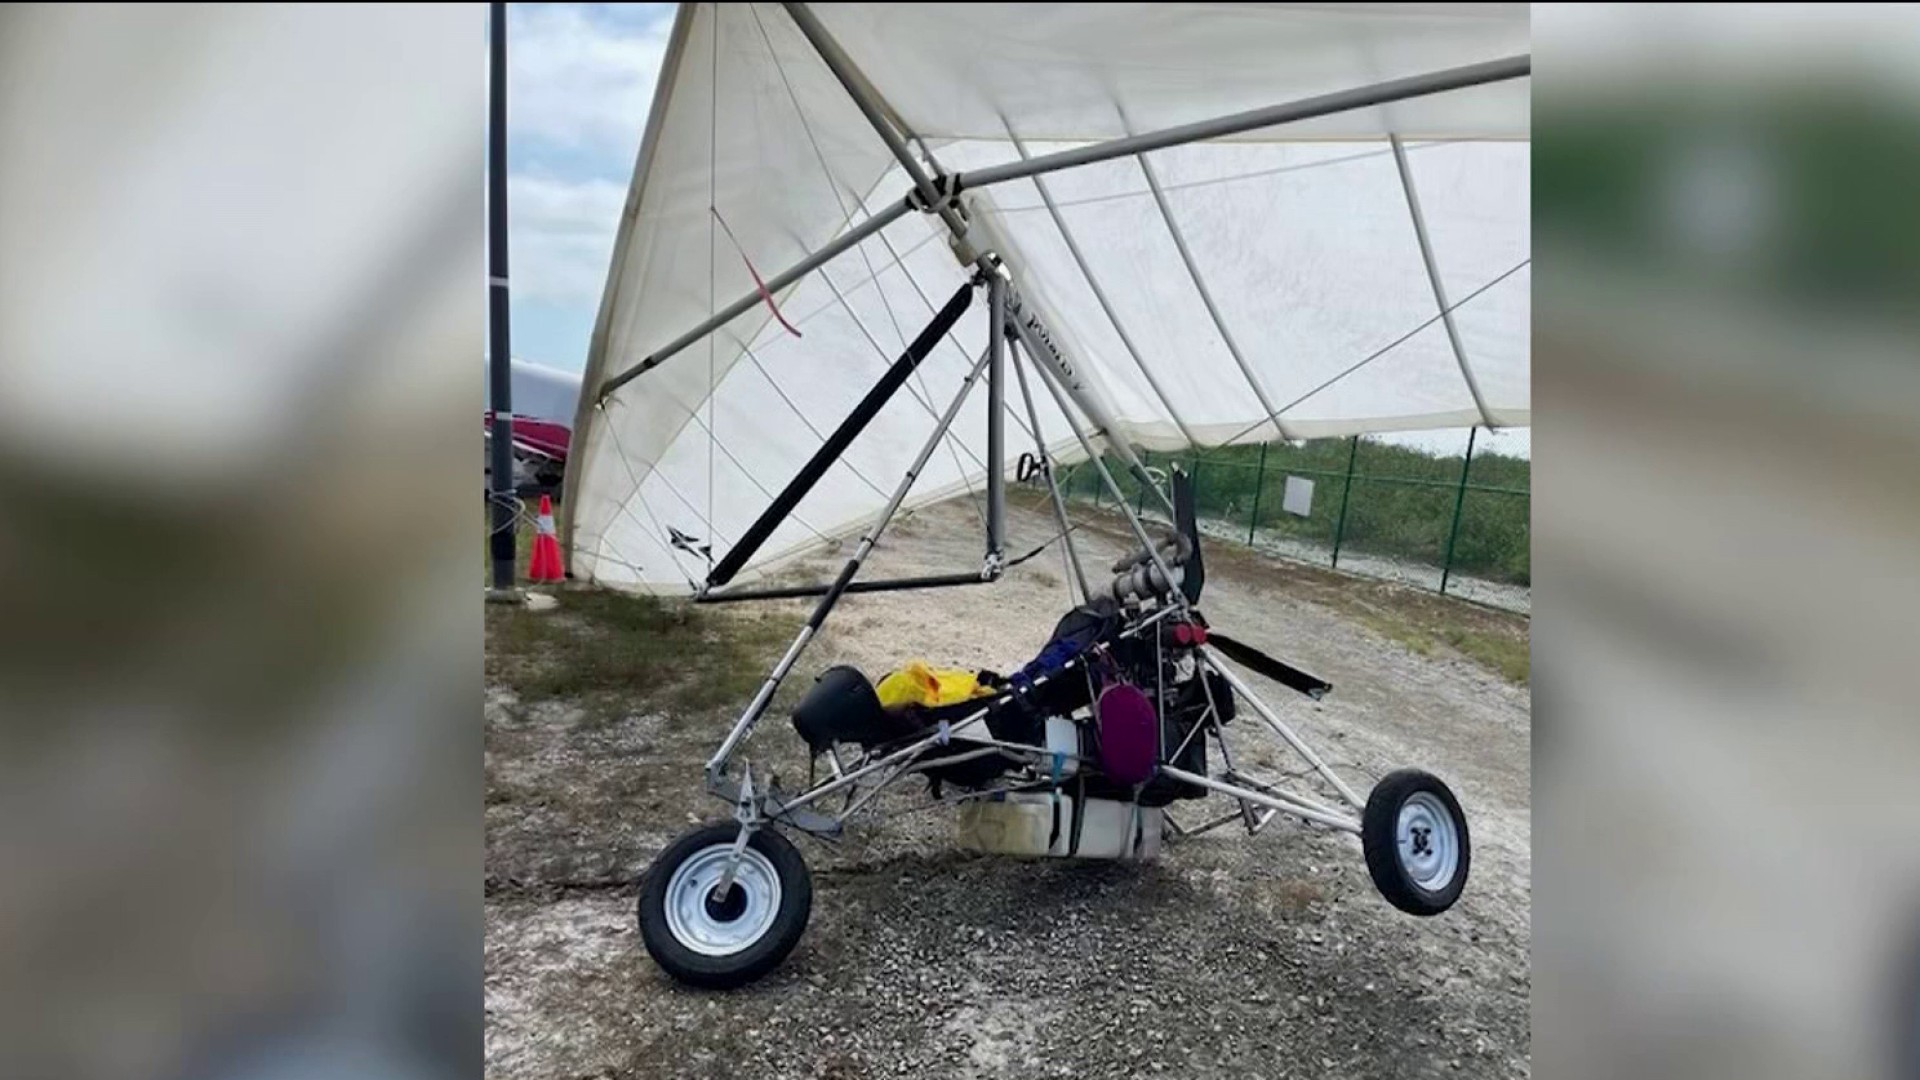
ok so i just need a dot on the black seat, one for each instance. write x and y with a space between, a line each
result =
841 706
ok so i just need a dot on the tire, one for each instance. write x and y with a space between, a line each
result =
1422 867
718 943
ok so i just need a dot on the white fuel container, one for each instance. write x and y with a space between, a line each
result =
1041 824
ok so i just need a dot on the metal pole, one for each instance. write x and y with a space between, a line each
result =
1433 278
1069 551
1512 67
500 362
996 410
1272 801
1040 346
718 762
846 241
864 96
1459 501
942 198
1178 600
1264 712
1259 481
1340 527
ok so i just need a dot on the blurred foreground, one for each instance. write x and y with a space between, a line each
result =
240 302
1727 542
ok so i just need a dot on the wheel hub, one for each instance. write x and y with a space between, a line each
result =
710 922
1427 842
728 906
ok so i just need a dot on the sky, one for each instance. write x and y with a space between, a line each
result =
579 80
579 83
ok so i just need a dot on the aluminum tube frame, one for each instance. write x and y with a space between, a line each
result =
716 765
1175 599
1069 553
1185 833
1253 825
1041 347
908 769
903 754
996 417
1256 783
930 581
1331 821
943 198
846 241
1434 82
1433 279
1265 713
854 81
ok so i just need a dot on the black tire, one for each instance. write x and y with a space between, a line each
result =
1379 826
765 952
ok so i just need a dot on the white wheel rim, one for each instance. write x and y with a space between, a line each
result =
726 925
1427 841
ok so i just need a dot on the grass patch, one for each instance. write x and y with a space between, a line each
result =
613 653
1493 645
1398 630
1512 659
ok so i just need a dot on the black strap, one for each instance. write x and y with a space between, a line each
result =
842 437
1278 670
934 581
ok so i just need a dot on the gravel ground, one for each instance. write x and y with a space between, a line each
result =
1270 956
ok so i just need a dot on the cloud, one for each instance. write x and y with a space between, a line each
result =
560 238
582 81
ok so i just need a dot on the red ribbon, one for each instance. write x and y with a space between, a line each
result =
757 283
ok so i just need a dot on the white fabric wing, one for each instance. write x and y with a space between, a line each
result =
1323 319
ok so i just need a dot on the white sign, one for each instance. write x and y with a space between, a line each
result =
1299 497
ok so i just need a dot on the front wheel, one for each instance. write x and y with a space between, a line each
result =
1415 839
715 940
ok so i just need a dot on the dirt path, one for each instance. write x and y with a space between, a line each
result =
1264 957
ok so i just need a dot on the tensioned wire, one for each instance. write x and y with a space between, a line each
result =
1351 369
810 316
898 259
833 186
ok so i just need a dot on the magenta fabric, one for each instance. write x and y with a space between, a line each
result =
1129 734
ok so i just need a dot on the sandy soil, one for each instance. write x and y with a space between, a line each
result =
1268 956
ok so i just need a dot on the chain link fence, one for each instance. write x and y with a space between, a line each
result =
1457 524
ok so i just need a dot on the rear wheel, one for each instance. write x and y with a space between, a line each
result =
705 937
1416 843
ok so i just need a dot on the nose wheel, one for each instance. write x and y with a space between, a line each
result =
707 930
1415 838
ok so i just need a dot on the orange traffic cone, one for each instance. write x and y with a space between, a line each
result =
545 564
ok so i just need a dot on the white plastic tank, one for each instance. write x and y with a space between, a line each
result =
1063 738
1043 824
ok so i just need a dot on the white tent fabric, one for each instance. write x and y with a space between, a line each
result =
543 393
1302 235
